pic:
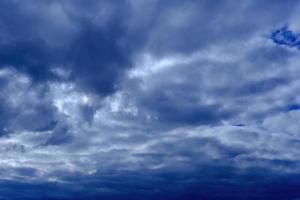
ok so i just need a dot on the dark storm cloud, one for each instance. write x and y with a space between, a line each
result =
21 46
92 52
96 42
149 99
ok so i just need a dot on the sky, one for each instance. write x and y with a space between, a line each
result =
149 99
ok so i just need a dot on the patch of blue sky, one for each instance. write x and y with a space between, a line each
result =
284 36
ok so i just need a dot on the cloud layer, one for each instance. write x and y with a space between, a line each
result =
149 99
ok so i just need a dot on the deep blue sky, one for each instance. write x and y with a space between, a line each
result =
149 99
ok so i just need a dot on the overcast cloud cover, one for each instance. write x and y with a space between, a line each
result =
149 99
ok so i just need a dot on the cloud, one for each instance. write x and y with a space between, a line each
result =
71 40
152 99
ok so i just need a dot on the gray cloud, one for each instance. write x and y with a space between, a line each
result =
170 96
